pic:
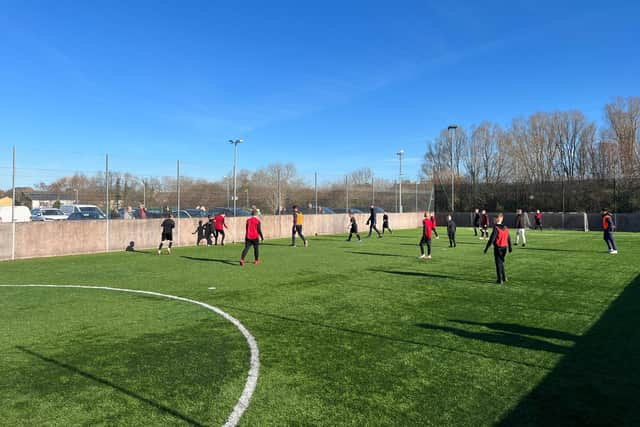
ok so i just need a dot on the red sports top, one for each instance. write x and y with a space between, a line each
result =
433 220
219 220
428 227
252 228
502 239
606 223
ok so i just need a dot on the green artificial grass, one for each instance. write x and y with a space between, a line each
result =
349 334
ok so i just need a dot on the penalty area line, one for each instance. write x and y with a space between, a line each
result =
254 361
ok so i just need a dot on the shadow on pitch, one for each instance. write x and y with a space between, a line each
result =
108 383
221 261
500 337
384 337
597 382
376 254
522 330
424 274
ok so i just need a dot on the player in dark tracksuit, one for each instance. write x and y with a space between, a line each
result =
200 232
385 223
208 230
451 231
501 241
167 233
371 222
253 236
476 221
353 228
608 226
297 227
427 230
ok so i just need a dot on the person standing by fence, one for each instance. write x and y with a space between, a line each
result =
167 233
520 228
608 226
220 225
476 222
385 223
484 223
538 218
353 228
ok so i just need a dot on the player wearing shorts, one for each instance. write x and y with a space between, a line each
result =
353 228
167 233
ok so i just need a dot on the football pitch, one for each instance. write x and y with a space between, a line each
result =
348 334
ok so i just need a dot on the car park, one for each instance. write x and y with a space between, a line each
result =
90 215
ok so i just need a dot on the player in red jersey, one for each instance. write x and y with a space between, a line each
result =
501 241
427 230
252 237
219 226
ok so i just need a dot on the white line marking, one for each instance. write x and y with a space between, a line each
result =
212 289
254 362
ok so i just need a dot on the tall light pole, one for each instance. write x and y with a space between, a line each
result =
400 154
235 164
452 134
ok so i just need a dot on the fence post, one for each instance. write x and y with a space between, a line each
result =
178 197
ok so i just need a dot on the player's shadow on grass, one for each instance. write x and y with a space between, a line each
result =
598 381
529 248
521 329
221 261
376 254
108 383
423 274
500 337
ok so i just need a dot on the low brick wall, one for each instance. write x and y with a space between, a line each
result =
44 239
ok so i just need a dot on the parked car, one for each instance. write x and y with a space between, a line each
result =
20 214
196 213
183 214
69 209
79 216
321 210
229 211
352 210
49 214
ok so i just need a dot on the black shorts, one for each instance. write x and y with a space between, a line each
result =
167 236
354 230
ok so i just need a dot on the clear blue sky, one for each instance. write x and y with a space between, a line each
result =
329 85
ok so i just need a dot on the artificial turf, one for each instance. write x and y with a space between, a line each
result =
349 334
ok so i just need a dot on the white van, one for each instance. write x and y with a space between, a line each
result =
20 214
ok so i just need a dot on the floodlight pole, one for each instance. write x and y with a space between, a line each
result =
178 197
13 206
108 207
315 181
235 143
451 137
400 155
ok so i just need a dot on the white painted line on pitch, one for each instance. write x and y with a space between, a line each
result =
212 289
254 362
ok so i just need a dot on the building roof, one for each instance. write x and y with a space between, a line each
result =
45 196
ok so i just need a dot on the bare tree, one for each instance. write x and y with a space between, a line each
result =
623 118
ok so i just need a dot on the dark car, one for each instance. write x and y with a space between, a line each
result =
320 209
350 210
79 216
229 212
196 213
